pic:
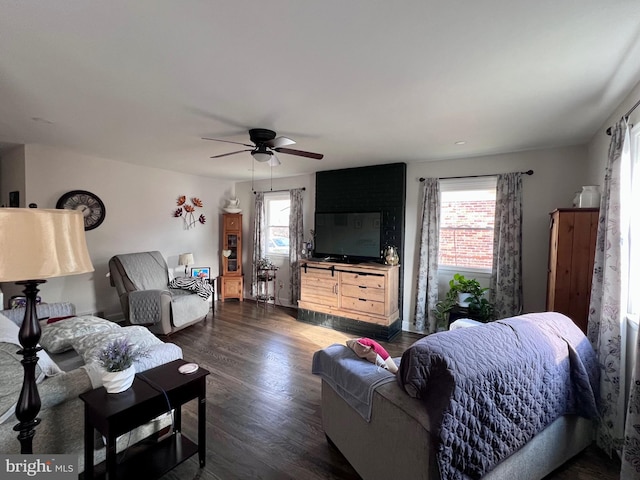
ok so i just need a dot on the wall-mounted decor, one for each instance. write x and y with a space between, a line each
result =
88 203
186 211
201 272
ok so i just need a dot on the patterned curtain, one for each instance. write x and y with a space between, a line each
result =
505 289
427 291
606 312
296 240
258 240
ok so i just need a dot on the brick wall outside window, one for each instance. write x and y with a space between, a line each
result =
466 233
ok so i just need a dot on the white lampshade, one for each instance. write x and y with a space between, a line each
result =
185 259
37 244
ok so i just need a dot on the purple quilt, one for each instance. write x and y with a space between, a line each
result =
493 387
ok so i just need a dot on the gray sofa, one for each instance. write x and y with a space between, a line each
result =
142 282
400 439
62 378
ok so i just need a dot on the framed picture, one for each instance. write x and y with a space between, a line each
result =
201 272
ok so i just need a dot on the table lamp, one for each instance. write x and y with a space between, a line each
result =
35 245
185 259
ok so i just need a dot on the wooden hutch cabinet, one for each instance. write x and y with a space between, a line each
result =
571 254
231 275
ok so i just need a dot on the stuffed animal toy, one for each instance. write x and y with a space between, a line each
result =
374 352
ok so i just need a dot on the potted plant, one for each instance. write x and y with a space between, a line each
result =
467 289
117 358
466 293
442 309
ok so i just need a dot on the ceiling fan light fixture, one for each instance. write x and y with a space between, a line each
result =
261 156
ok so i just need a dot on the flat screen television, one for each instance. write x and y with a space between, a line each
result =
350 237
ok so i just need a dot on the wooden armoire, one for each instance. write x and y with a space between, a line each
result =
571 254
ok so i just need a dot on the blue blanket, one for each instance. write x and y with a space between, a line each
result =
495 386
353 378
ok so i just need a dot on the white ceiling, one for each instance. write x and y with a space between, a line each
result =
361 81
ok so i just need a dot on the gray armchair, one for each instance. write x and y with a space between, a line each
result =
142 282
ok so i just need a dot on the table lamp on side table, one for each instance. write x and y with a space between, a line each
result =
185 259
36 245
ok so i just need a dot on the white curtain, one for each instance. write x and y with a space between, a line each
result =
259 250
296 240
505 289
630 196
606 323
427 284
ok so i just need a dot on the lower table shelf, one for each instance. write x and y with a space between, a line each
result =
149 460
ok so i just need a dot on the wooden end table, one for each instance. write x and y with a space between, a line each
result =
115 414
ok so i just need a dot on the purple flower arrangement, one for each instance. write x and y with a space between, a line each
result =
119 355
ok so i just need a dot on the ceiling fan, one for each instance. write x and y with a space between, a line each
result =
265 144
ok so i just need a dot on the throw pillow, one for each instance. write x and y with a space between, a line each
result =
57 319
57 337
89 346
199 285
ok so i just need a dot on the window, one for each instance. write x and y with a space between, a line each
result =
277 207
630 196
467 211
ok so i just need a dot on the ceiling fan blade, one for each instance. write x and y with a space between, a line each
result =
227 141
279 142
300 153
273 161
231 153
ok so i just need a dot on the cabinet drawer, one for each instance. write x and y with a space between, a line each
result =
375 281
358 291
362 305
232 222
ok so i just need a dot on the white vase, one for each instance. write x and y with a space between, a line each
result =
461 299
116 382
590 196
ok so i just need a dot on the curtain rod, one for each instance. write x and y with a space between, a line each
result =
626 115
274 191
528 172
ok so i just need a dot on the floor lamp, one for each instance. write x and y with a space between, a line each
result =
35 245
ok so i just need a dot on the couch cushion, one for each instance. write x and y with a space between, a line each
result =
57 337
44 311
11 370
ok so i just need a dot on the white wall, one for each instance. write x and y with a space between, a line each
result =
598 147
245 194
139 205
12 177
559 173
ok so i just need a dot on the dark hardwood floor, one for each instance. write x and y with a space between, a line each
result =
263 403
